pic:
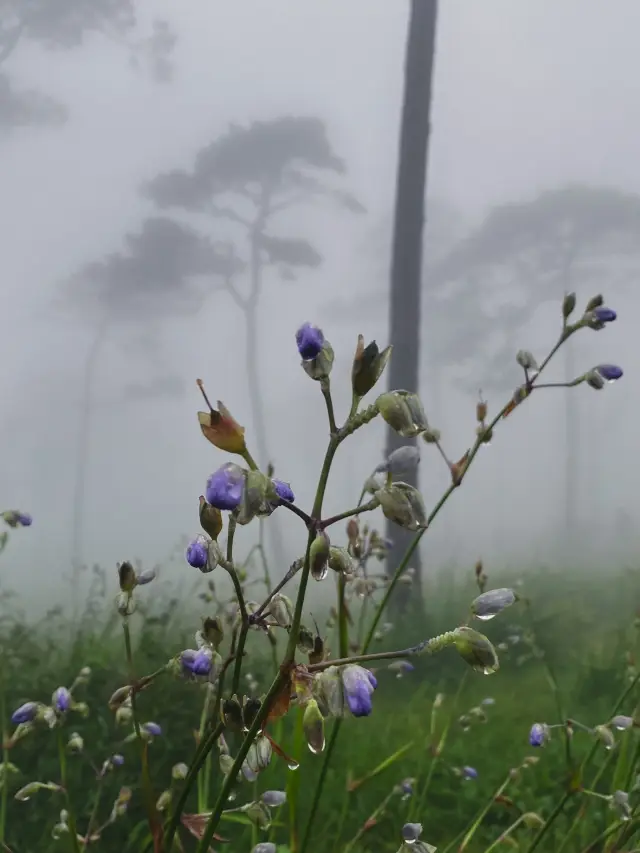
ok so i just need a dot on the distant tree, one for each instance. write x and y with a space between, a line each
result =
248 177
528 253
158 275
406 253
58 25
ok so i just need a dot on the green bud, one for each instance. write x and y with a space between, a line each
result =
259 755
327 689
341 561
212 631
619 801
532 820
403 412
476 650
259 814
593 380
313 725
403 504
75 743
526 360
126 577
179 771
281 610
605 735
164 801
319 556
568 305
594 302
226 763
210 519
259 497
306 640
431 436
231 711
368 366
32 788
319 368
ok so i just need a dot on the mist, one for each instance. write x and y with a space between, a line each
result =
98 302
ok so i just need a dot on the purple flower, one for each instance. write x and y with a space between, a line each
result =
24 519
197 553
406 787
152 729
117 760
538 734
309 340
25 713
225 487
15 518
61 699
358 684
196 662
284 491
604 314
610 372
469 772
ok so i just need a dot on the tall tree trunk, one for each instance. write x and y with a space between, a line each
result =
83 454
406 261
252 366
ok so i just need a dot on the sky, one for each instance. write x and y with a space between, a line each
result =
527 96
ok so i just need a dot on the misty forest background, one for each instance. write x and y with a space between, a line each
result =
181 192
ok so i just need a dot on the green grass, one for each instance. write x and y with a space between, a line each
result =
584 628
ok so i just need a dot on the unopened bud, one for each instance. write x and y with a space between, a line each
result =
341 561
476 650
210 518
605 736
126 577
490 603
259 497
212 631
319 556
404 460
481 411
313 725
164 801
403 504
403 412
281 610
75 743
368 366
595 302
568 305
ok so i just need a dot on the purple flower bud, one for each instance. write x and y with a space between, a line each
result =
117 760
284 491
61 699
15 518
197 662
152 729
197 553
406 787
469 772
225 487
538 734
24 519
309 340
358 684
604 314
610 372
25 713
146 577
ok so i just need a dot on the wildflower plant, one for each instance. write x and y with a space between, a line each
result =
238 722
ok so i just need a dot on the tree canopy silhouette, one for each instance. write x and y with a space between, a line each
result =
56 25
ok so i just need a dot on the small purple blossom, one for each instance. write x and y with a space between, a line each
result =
24 519
604 315
610 372
197 661
61 699
469 772
15 518
284 491
406 787
309 340
538 734
225 487
25 713
197 553
152 729
358 684
117 760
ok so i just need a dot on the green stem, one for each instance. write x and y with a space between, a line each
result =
481 816
504 834
71 820
4 793
368 507
203 778
147 786
348 846
328 753
94 810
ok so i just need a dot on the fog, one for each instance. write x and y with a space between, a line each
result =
528 97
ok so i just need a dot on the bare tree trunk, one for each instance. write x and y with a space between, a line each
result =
406 263
252 362
82 457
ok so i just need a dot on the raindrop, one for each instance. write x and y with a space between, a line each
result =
315 749
322 574
293 765
485 616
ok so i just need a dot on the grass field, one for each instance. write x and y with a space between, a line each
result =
585 643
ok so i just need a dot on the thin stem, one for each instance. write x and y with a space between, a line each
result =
4 794
71 820
297 511
94 810
203 778
147 787
328 754
504 834
293 571
368 507
479 818
326 393
430 647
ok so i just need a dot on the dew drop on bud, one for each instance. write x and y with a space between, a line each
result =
293 765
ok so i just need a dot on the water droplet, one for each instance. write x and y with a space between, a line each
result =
315 749
293 765
485 617
410 840
321 575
